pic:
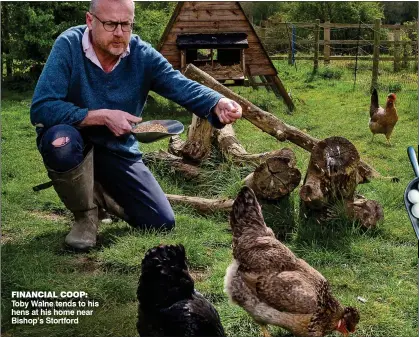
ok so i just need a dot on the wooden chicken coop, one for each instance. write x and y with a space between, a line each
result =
218 38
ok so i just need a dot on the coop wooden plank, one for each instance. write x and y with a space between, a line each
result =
172 37
203 5
205 15
239 25
167 51
257 70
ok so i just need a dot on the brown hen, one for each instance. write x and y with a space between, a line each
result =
383 120
273 285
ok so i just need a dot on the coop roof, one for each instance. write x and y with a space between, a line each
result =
201 41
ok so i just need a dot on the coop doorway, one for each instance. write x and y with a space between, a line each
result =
220 55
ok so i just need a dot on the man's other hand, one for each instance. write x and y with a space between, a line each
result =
117 121
227 110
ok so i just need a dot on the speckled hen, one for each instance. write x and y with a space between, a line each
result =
274 286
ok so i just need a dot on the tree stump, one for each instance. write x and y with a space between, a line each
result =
276 177
332 176
198 145
331 173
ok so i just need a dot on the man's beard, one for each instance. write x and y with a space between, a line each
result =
109 49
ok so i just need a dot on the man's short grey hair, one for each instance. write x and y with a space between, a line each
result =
94 4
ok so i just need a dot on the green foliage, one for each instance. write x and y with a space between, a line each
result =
344 12
29 30
150 22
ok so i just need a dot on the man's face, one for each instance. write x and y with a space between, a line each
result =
110 43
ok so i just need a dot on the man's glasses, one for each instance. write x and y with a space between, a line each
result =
111 26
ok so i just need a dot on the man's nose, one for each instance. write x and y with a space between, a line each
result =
118 31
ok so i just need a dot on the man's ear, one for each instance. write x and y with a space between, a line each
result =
89 19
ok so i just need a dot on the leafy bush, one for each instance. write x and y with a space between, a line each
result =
330 73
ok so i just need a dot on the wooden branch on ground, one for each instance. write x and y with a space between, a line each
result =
270 124
276 177
202 205
173 162
232 149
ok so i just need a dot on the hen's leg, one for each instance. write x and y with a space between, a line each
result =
372 139
265 332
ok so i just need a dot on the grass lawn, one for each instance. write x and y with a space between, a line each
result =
379 265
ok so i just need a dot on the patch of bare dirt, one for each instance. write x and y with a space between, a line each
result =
199 275
48 216
86 264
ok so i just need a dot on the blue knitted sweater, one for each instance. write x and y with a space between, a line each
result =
70 85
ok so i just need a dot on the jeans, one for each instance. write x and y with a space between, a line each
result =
129 182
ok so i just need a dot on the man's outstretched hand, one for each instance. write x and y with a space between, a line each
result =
228 111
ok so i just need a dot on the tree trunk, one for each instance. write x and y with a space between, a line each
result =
172 162
198 145
232 149
276 177
268 122
202 205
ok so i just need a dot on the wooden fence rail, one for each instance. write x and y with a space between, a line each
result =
400 56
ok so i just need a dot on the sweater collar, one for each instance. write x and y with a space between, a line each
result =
90 52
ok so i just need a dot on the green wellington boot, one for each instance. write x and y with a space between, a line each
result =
76 190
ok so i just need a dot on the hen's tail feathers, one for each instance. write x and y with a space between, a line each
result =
374 102
245 205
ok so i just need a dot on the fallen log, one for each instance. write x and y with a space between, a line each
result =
231 148
202 205
172 162
276 177
270 124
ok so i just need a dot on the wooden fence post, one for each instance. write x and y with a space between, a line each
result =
397 49
290 45
326 42
405 55
376 56
316 45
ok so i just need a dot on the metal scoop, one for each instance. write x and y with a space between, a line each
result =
413 185
173 128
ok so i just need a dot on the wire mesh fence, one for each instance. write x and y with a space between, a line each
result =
394 48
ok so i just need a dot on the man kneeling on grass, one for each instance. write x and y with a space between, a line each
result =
93 87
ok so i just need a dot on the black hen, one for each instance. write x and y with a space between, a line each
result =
168 302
